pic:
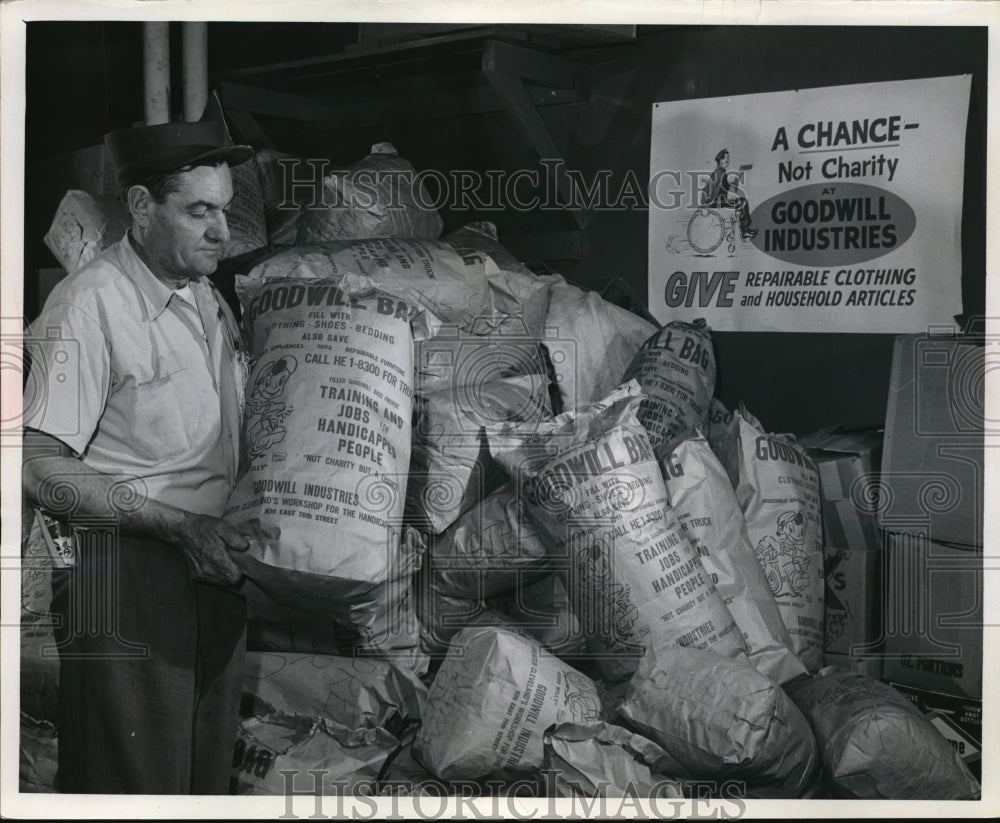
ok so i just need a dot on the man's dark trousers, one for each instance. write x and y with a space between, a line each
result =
151 667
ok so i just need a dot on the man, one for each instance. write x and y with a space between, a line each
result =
138 366
722 190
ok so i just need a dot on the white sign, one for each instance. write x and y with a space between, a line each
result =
836 209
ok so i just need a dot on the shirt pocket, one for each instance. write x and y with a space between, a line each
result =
159 410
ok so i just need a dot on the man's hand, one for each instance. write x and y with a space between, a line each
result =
207 543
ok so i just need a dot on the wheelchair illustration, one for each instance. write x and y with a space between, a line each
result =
790 571
708 227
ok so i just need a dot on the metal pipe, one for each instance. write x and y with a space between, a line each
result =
156 72
195 56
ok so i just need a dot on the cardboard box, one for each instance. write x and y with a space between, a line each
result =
933 617
848 464
958 718
932 468
852 599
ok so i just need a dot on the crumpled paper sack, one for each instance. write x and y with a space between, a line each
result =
875 744
723 720
603 760
494 696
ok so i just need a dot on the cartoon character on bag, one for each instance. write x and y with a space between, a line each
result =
264 414
582 702
783 556
616 613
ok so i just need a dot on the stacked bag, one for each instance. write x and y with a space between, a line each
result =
46 558
602 582
510 534
339 716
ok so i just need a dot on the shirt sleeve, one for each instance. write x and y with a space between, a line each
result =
69 375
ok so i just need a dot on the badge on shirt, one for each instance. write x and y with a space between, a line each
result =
57 537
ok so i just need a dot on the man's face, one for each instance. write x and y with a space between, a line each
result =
724 161
186 232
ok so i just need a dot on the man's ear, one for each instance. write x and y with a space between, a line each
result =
140 202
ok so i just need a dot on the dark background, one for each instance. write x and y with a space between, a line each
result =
84 79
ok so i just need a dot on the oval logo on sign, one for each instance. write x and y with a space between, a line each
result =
829 224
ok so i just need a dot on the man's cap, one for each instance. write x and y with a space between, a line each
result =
722 153
144 151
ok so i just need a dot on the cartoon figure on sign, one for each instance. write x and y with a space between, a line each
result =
722 190
783 555
264 414
723 204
